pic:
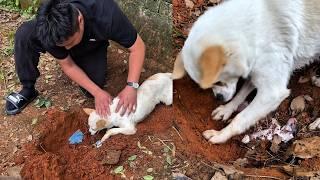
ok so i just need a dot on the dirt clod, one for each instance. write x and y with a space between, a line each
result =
111 157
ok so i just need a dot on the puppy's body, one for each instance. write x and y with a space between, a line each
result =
156 89
260 40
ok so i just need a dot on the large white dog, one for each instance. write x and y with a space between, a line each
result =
263 41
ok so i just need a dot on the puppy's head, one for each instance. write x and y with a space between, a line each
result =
210 67
225 91
95 122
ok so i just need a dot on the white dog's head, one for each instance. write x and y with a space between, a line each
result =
95 122
218 66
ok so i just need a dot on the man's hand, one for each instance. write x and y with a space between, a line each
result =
127 100
103 101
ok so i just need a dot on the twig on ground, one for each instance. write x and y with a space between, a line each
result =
256 176
177 132
165 144
42 148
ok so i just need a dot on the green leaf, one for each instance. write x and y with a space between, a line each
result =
168 159
17 3
41 103
119 170
37 102
166 149
148 177
132 158
47 103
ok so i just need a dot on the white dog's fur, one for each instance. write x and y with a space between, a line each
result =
263 41
157 88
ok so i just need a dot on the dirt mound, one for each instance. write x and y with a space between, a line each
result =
178 128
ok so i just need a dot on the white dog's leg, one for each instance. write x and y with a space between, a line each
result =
267 99
224 112
114 131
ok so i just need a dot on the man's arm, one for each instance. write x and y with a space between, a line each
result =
128 96
136 59
102 98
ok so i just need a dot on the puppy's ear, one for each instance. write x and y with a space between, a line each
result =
100 124
88 110
178 69
211 63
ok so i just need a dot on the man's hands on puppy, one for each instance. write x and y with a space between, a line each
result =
127 100
103 100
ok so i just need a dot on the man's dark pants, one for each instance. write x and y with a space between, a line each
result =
90 56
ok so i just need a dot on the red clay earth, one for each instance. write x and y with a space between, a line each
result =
51 157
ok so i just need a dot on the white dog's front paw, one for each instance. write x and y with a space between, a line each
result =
209 133
215 137
223 112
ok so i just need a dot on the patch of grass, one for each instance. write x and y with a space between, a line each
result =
25 7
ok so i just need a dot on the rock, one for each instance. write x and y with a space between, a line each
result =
189 4
307 148
112 157
14 171
315 81
315 125
241 162
180 176
298 104
219 176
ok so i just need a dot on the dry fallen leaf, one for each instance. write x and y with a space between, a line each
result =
275 143
308 98
307 148
304 79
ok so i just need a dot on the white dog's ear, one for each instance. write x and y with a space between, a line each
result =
178 69
88 110
211 63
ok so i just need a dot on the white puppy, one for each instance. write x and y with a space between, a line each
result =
262 41
156 89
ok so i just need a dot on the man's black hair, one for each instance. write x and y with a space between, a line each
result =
57 20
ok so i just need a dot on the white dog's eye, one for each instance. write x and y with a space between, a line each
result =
219 83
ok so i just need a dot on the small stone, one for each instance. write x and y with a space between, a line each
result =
315 125
189 4
14 171
298 104
316 81
219 176
29 138
112 157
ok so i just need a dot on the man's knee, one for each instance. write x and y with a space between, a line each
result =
24 32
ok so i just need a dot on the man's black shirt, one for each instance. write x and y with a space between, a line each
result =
103 21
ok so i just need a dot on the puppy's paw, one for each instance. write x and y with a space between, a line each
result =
104 138
223 112
210 133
